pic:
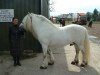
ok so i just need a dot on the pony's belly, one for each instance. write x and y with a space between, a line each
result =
59 43
60 39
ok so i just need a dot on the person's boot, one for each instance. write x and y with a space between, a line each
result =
18 61
15 61
15 64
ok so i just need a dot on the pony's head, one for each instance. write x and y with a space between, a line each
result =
26 22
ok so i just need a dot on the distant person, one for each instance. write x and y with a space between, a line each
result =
16 34
90 24
51 19
60 21
63 22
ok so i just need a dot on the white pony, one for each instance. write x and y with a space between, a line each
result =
51 36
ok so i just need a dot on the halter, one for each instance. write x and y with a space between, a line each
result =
29 14
30 18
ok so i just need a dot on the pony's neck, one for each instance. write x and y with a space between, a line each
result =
41 23
43 20
48 21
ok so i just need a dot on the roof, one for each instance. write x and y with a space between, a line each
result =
81 14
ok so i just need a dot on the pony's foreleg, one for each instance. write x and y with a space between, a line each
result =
45 59
50 57
76 60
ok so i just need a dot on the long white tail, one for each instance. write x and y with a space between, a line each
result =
87 47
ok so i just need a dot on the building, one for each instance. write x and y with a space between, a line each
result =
80 18
20 8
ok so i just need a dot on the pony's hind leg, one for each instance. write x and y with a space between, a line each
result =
45 59
76 59
84 61
50 57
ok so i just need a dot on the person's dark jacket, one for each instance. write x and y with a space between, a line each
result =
16 34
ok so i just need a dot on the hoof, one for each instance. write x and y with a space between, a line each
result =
86 64
51 63
83 65
74 62
72 44
41 67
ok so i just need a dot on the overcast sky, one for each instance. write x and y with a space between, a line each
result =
74 6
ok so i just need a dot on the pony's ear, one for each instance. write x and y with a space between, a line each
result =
30 16
28 12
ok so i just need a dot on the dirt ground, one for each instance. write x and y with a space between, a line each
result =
63 58
62 66
95 30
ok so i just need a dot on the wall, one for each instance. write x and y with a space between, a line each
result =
21 8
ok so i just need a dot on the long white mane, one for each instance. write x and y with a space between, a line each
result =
42 19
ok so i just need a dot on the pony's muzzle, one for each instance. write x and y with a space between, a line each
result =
21 25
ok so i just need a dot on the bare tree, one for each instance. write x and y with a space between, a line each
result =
51 4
